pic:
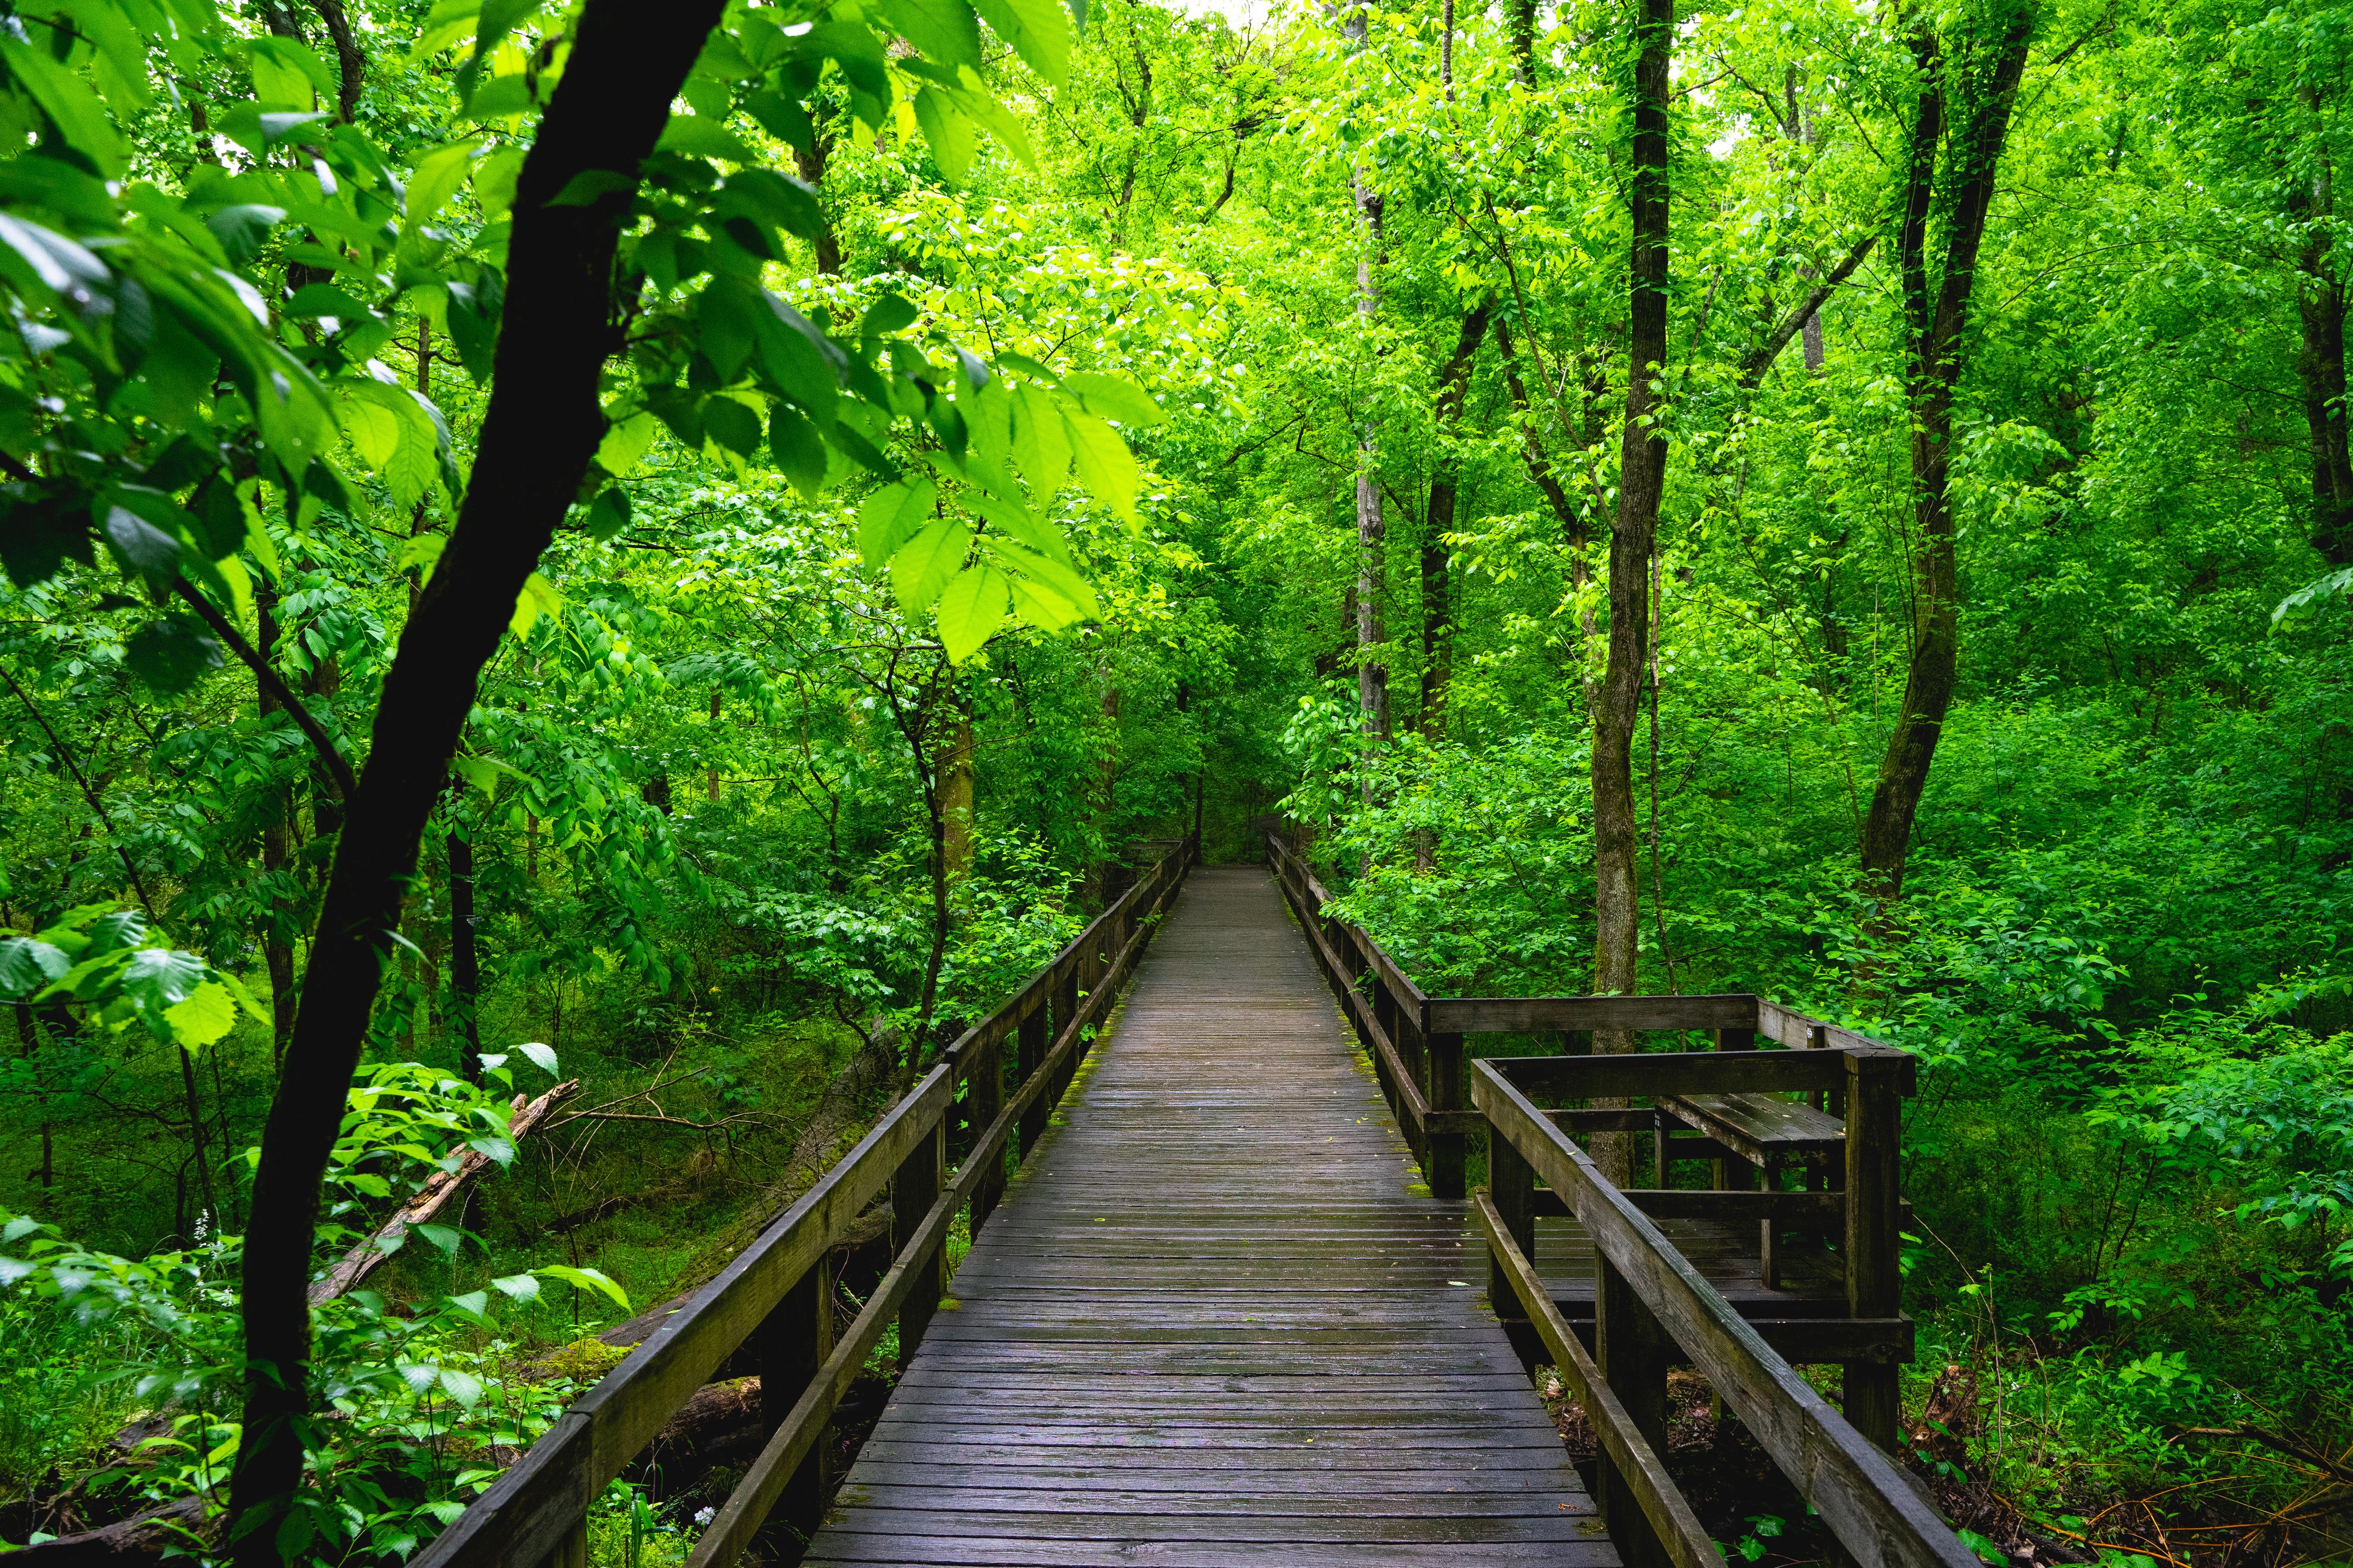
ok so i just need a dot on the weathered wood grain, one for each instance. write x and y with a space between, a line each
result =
1854 1485
1213 1321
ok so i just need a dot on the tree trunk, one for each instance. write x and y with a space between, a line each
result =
1642 465
955 790
1523 25
812 165
1445 493
2320 367
1372 674
1934 369
465 953
278 926
542 424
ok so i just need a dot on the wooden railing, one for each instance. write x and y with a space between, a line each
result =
776 1299
1650 1305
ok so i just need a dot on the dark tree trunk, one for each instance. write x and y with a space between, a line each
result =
812 165
1445 491
628 63
1372 674
2320 366
350 65
276 851
1936 327
464 955
1523 24
1642 471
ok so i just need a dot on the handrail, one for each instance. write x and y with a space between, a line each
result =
1854 1485
774 1294
1646 1295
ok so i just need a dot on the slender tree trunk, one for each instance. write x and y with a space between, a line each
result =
956 790
1642 471
2320 367
1936 327
1521 21
350 65
1445 492
543 421
812 165
277 852
1372 674
465 951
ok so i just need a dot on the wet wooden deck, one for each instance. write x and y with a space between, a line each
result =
1216 1325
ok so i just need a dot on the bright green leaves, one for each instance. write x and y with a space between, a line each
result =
100 958
1038 31
973 605
1013 565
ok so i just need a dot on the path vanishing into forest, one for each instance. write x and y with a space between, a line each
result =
1217 1320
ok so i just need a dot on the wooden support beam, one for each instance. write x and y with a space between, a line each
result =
1672 1527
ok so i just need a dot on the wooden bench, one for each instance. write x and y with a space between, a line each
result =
1770 1133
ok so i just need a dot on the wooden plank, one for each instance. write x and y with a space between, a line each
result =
1213 1321
526 1513
536 1506
1826 1210
1679 1531
1758 1127
1853 1484
1657 1073
1500 1015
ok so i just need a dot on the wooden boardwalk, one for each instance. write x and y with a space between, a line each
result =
1216 1324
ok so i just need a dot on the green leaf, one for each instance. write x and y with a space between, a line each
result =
438 177
1114 398
81 118
624 444
1041 445
1038 30
945 31
538 597
440 1236
171 653
732 425
891 314
949 132
700 137
727 320
521 1287
586 1280
463 1386
973 605
892 516
286 75
242 228
799 449
1047 593
209 1013
1105 465
925 563
28 963
541 1057
609 513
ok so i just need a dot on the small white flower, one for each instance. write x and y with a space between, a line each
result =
704 1516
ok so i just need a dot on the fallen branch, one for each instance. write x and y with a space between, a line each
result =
142 1538
431 1199
2273 1441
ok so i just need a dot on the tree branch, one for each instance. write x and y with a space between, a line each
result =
272 682
1760 359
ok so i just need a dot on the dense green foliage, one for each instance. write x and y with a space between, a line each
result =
982 488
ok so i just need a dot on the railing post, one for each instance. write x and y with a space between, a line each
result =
1037 1032
1632 1349
983 1096
1446 1148
1874 1213
790 1346
1729 1040
914 1190
1512 1186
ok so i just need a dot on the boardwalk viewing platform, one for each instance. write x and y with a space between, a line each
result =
1250 1283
